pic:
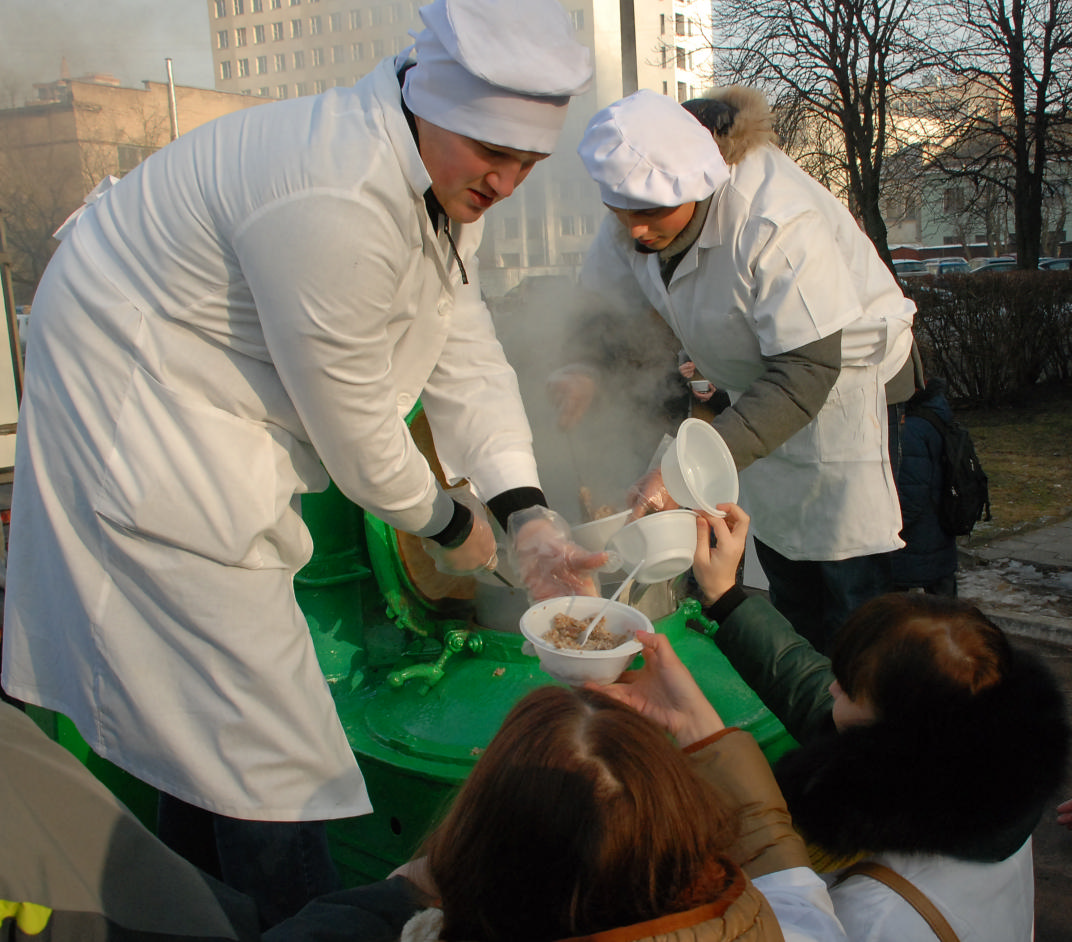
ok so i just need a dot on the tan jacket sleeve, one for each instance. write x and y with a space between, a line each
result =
732 763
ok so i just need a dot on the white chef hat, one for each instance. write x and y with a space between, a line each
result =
500 71
646 151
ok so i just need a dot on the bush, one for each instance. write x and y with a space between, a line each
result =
995 335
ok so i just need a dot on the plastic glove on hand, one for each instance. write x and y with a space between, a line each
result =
478 552
546 559
649 495
571 390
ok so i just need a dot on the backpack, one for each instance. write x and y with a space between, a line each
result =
965 488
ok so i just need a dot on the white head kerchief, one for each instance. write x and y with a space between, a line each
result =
646 151
499 71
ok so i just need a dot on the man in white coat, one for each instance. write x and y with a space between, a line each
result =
255 308
779 298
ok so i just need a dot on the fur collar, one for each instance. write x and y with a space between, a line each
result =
971 783
753 123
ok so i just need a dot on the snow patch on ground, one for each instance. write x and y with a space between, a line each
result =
1015 586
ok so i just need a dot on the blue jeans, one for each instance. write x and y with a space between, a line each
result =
817 596
280 865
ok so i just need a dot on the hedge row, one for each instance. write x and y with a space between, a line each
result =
995 335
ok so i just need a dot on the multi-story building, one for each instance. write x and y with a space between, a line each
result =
285 48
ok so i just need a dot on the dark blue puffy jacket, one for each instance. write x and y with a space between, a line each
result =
930 553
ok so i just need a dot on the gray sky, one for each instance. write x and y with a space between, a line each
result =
131 39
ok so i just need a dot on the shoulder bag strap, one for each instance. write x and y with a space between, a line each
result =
906 889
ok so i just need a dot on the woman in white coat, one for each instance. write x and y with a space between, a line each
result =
778 298
254 308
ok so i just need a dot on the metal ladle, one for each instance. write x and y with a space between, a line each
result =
602 611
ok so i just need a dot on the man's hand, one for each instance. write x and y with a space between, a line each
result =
546 559
571 390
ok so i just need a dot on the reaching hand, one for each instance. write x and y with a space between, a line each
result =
571 390
546 559
665 692
649 495
715 567
1064 813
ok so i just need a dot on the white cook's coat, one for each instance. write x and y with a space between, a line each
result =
263 294
780 263
983 902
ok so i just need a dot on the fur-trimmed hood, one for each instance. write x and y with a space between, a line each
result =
971 783
739 118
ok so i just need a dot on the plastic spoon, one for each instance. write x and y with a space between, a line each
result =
603 609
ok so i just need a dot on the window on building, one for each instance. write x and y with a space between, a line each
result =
256 6
588 224
376 16
243 68
277 32
662 24
221 9
262 65
319 86
258 35
396 13
301 88
264 91
318 56
295 3
225 70
567 225
357 50
338 54
377 49
281 62
682 91
223 39
316 25
679 55
295 29
299 59
342 82
577 19
335 22
128 156
355 19
572 258
536 259
240 36
662 50
534 228
239 7
952 201
679 24
512 228
281 91
276 4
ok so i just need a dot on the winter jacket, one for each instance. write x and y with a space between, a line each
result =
76 865
773 893
929 553
949 804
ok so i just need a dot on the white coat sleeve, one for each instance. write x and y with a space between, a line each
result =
802 904
474 405
324 270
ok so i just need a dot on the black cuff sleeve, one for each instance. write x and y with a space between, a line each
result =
517 498
722 608
457 531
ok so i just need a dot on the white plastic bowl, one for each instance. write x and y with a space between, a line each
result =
698 469
595 534
664 543
578 667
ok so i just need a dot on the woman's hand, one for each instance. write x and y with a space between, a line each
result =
715 567
664 691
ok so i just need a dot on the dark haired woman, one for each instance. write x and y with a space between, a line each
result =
928 745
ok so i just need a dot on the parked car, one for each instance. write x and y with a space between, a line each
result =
909 268
947 265
999 263
1055 264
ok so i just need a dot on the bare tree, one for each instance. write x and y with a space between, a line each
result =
1008 116
834 62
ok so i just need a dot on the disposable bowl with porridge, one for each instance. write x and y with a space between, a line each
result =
553 638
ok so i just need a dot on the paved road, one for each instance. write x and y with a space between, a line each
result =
1053 844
